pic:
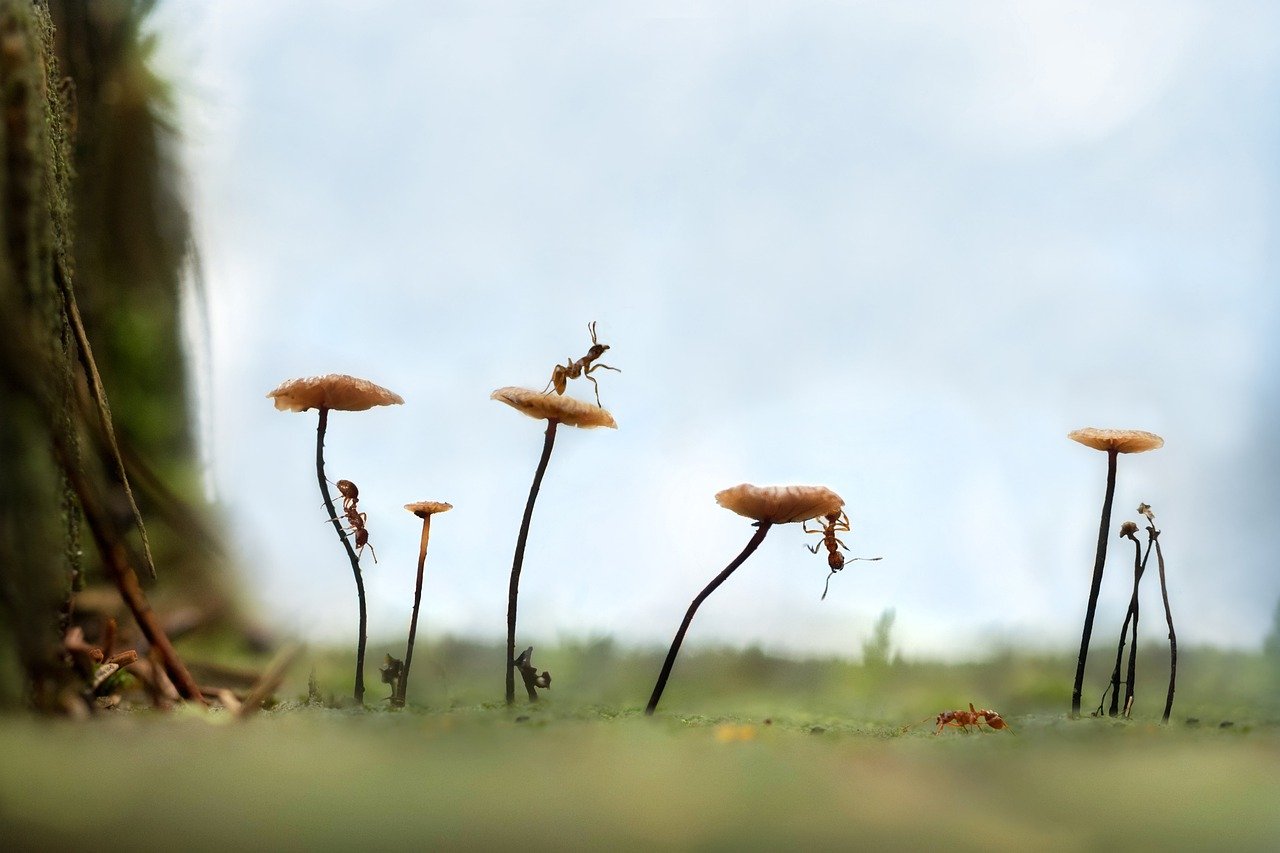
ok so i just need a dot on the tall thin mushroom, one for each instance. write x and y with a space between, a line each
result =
1153 536
1114 442
768 505
1127 531
423 510
555 410
346 394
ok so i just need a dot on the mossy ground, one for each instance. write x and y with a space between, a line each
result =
827 769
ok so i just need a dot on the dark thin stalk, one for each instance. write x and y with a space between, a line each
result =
762 527
1096 585
513 591
398 698
1139 566
1168 615
351 554
1131 674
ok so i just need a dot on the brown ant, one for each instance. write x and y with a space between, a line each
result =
354 518
973 717
835 522
562 373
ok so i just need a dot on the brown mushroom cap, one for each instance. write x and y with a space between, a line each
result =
566 410
425 508
333 391
780 504
1119 440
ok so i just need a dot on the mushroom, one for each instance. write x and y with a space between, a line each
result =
1114 442
1153 536
768 505
347 394
554 409
423 510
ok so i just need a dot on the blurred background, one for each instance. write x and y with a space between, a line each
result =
897 251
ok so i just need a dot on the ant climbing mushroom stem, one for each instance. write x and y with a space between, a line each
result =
350 394
768 505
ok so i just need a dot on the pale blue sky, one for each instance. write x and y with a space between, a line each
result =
897 249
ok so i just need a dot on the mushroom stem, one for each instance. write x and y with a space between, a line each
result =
398 699
1131 674
1139 566
1168 615
517 562
351 554
1096 585
762 527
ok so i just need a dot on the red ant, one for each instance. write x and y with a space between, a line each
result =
835 522
355 519
973 717
562 373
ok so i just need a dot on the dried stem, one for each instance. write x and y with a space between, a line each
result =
90 366
517 562
397 699
116 559
269 682
351 554
1096 585
1139 566
1168 615
1132 672
762 527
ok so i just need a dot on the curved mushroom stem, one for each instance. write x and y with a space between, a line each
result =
351 555
398 698
1131 674
517 562
762 527
1096 585
1168 615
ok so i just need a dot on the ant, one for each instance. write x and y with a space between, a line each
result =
562 373
973 717
355 519
835 522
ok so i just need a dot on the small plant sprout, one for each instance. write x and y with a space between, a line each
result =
423 510
533 680
347 394
768 505
554 410
1114 442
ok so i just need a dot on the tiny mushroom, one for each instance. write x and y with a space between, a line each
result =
768 505
348 394
423 510
1114 442
555 409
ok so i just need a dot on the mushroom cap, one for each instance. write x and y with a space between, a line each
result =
1119 440
780 504
425 508
567 410
332 391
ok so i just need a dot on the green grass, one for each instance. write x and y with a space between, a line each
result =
832 767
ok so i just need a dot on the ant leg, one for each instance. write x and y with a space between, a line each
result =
597 384
605 366
813 549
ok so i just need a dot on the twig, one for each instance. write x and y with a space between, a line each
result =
270 681
116 559
1168 615
517 563
762 527
100 397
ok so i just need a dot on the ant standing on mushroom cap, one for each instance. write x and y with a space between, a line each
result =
355 519
562 373
835 522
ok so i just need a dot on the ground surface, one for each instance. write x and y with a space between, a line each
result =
312 778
